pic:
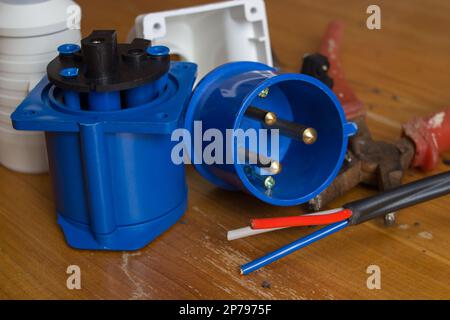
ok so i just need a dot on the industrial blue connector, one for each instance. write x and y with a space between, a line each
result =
313 131
108 128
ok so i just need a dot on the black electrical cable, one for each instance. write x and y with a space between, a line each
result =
422 196
363 211
366 209
393 194
399 198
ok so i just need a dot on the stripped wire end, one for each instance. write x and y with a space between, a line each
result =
249 231
319 218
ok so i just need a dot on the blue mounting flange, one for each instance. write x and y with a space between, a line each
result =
115 185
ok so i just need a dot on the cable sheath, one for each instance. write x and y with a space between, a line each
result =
399 198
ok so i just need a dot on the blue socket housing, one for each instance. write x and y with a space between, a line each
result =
220 101
109 152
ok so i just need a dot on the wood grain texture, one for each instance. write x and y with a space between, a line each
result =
399 71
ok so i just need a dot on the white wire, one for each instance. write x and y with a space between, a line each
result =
248 231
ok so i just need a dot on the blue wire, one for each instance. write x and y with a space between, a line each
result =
294 246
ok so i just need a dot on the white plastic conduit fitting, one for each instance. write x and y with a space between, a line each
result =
210 35
30 32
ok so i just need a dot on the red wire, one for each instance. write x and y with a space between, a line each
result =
297 221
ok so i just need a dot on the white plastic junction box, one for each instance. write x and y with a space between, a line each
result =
210 35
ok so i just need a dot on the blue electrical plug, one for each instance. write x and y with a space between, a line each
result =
313 131
108 111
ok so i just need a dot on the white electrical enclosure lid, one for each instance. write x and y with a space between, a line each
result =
210 35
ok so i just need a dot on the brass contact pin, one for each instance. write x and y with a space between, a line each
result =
309 136
264 163
270 118
294 130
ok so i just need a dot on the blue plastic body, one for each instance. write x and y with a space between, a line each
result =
220 101
72 99
104 101
115 185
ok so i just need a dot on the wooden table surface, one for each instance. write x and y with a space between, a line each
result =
399 71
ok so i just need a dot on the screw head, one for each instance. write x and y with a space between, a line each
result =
270 118
309 136
315 203
264 93
269 182
389 219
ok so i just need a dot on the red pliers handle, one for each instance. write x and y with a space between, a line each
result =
431 136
